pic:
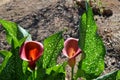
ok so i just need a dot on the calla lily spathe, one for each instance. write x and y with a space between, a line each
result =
71 50
31 51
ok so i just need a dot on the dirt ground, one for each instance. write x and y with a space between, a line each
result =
45 17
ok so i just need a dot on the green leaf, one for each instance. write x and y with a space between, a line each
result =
41 74
33 75
92 63
13 68
11 30
24 66
110 76
22 41
60 68
15 32
54 75
6 55
118 75
56 72
24 33
52 47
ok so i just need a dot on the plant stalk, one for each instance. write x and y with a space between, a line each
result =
72 73
33 75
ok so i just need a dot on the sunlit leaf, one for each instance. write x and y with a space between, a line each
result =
15 35
11 30
92 63
14 32
52 47
24 66
118 75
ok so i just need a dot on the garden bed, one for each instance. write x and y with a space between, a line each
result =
43 18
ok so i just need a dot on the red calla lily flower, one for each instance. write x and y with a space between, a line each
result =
71 50
31 51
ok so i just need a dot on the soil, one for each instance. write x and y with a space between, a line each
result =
45 17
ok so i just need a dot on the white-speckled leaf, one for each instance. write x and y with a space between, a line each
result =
92 64
52 47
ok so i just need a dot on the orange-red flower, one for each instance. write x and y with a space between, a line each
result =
31 51
71 50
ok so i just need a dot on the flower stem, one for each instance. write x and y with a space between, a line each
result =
72 73
34 75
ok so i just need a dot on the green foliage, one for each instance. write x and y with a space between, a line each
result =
14 32
24 66
56 72
47 66
110 76
11 67
24 34
11 31
118 75
16 69
57 68
92 63
6 55
90 66
52 47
